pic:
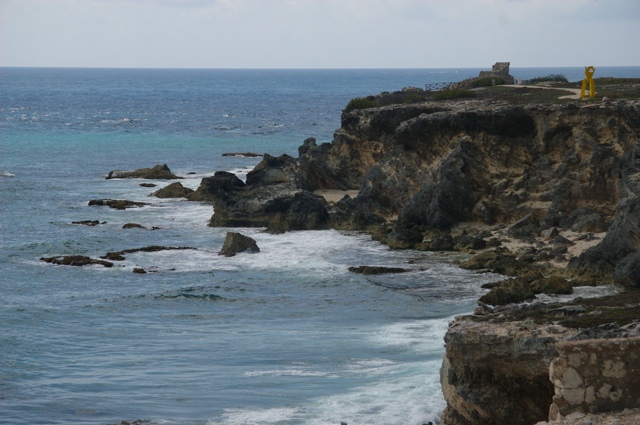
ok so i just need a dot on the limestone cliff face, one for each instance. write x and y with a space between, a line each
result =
497 374
436 164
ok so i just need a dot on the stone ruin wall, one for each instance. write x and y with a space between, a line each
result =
499 69
593 376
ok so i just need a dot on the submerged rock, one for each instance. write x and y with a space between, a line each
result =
370 270
89 222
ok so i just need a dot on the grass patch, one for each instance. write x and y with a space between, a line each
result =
448 94
487 82
361 103
553 78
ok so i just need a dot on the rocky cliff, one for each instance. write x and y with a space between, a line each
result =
528 182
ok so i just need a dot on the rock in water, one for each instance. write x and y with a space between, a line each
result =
159 172
174 190
235 243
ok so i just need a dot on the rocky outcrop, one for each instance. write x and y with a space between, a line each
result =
76 260
118 204
235 243
159 172
274 196
423 169
498 373
174 190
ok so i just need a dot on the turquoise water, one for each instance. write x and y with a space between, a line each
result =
285 336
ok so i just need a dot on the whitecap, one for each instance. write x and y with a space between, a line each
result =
6 174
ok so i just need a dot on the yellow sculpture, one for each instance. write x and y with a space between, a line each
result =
588 72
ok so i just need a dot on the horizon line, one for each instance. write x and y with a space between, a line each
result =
298 69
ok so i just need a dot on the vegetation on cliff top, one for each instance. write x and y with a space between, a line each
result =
550 92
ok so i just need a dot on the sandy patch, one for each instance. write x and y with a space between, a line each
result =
333 196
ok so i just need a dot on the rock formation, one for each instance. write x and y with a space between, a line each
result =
159 172
118 204
174 190
526 184
235 243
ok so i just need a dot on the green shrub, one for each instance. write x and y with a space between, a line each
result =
453 94
555 78
487 82
361 103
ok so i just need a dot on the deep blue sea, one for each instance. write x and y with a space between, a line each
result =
285 336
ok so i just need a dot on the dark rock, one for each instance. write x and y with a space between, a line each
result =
502 263
437 241
133 226
302 211
371 270
118 204
306 146
526 228
75 260
508 292
243 154
159 172
622 239
89 222
627 271
216 186
587 220
465 242
235 243
174 190
113 256
139 270
552 285
147 185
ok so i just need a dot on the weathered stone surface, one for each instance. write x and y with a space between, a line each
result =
595 376
158 172
552 285
235 243
622 241
508 292
174 190
503 263
498 373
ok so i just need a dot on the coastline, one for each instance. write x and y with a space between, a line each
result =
531 187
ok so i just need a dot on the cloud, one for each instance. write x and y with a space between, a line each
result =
317 33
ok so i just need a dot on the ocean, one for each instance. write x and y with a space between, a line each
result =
284 336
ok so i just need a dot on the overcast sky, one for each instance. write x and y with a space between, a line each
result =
319 33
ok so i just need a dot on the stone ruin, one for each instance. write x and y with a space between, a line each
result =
500 69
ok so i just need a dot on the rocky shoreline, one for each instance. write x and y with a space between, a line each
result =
539 191
546 194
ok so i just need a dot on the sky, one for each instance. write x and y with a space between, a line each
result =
319 33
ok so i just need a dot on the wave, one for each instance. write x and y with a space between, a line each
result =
6 174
